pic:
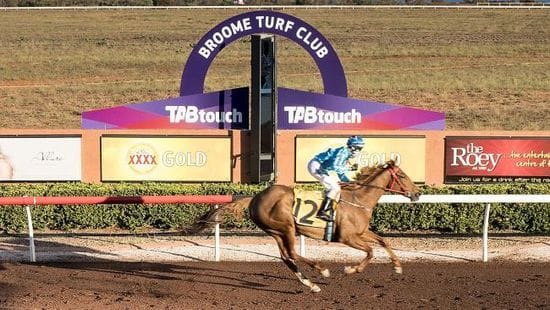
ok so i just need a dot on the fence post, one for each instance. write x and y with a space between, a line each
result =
217 241
486 232
302 246
31 233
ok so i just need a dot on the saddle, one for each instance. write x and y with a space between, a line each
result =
306 204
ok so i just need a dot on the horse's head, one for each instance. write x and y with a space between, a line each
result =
399 181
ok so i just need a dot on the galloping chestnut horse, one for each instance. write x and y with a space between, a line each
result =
271 210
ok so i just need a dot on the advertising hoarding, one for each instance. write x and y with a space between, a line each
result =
497 159
227 109
40 158
408 152
151 158
299 110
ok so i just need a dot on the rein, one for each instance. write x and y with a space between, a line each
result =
394 179
355 204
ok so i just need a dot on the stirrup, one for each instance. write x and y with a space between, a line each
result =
325 210
325 217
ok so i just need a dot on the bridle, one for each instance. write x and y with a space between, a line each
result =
395 179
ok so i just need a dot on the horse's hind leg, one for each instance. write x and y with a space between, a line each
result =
291 246
290 261
396 263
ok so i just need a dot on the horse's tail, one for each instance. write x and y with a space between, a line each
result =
215 215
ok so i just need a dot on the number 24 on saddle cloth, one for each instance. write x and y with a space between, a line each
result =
306 205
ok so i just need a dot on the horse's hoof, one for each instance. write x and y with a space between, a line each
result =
398 270
350 270
315 289
325 273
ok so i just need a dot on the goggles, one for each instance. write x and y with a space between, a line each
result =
356 147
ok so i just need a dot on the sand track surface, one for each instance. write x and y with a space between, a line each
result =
164 271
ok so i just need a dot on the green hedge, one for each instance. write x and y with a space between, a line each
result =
456 218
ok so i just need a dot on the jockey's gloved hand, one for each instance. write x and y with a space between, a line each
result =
354 167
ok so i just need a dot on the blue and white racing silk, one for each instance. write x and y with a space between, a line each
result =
334 160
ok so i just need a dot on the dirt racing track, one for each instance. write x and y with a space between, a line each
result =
168 272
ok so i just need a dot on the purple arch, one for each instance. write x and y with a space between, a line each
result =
236 27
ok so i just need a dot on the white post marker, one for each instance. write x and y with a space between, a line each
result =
217 241
302 246
486 233
31 234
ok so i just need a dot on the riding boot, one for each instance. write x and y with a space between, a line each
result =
325 211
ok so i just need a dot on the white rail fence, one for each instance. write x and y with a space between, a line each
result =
468 199
474 199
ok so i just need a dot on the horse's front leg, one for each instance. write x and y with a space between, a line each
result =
360 243
396 263
315 265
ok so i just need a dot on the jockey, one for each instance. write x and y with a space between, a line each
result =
334 160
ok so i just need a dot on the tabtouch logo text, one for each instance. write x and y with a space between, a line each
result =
192 114
312 115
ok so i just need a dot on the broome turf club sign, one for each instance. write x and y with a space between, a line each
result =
228 109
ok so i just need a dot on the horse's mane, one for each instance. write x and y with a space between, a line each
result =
367 174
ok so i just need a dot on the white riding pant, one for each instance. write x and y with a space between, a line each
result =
332 188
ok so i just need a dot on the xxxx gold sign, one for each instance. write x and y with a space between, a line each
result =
146 158
409 152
